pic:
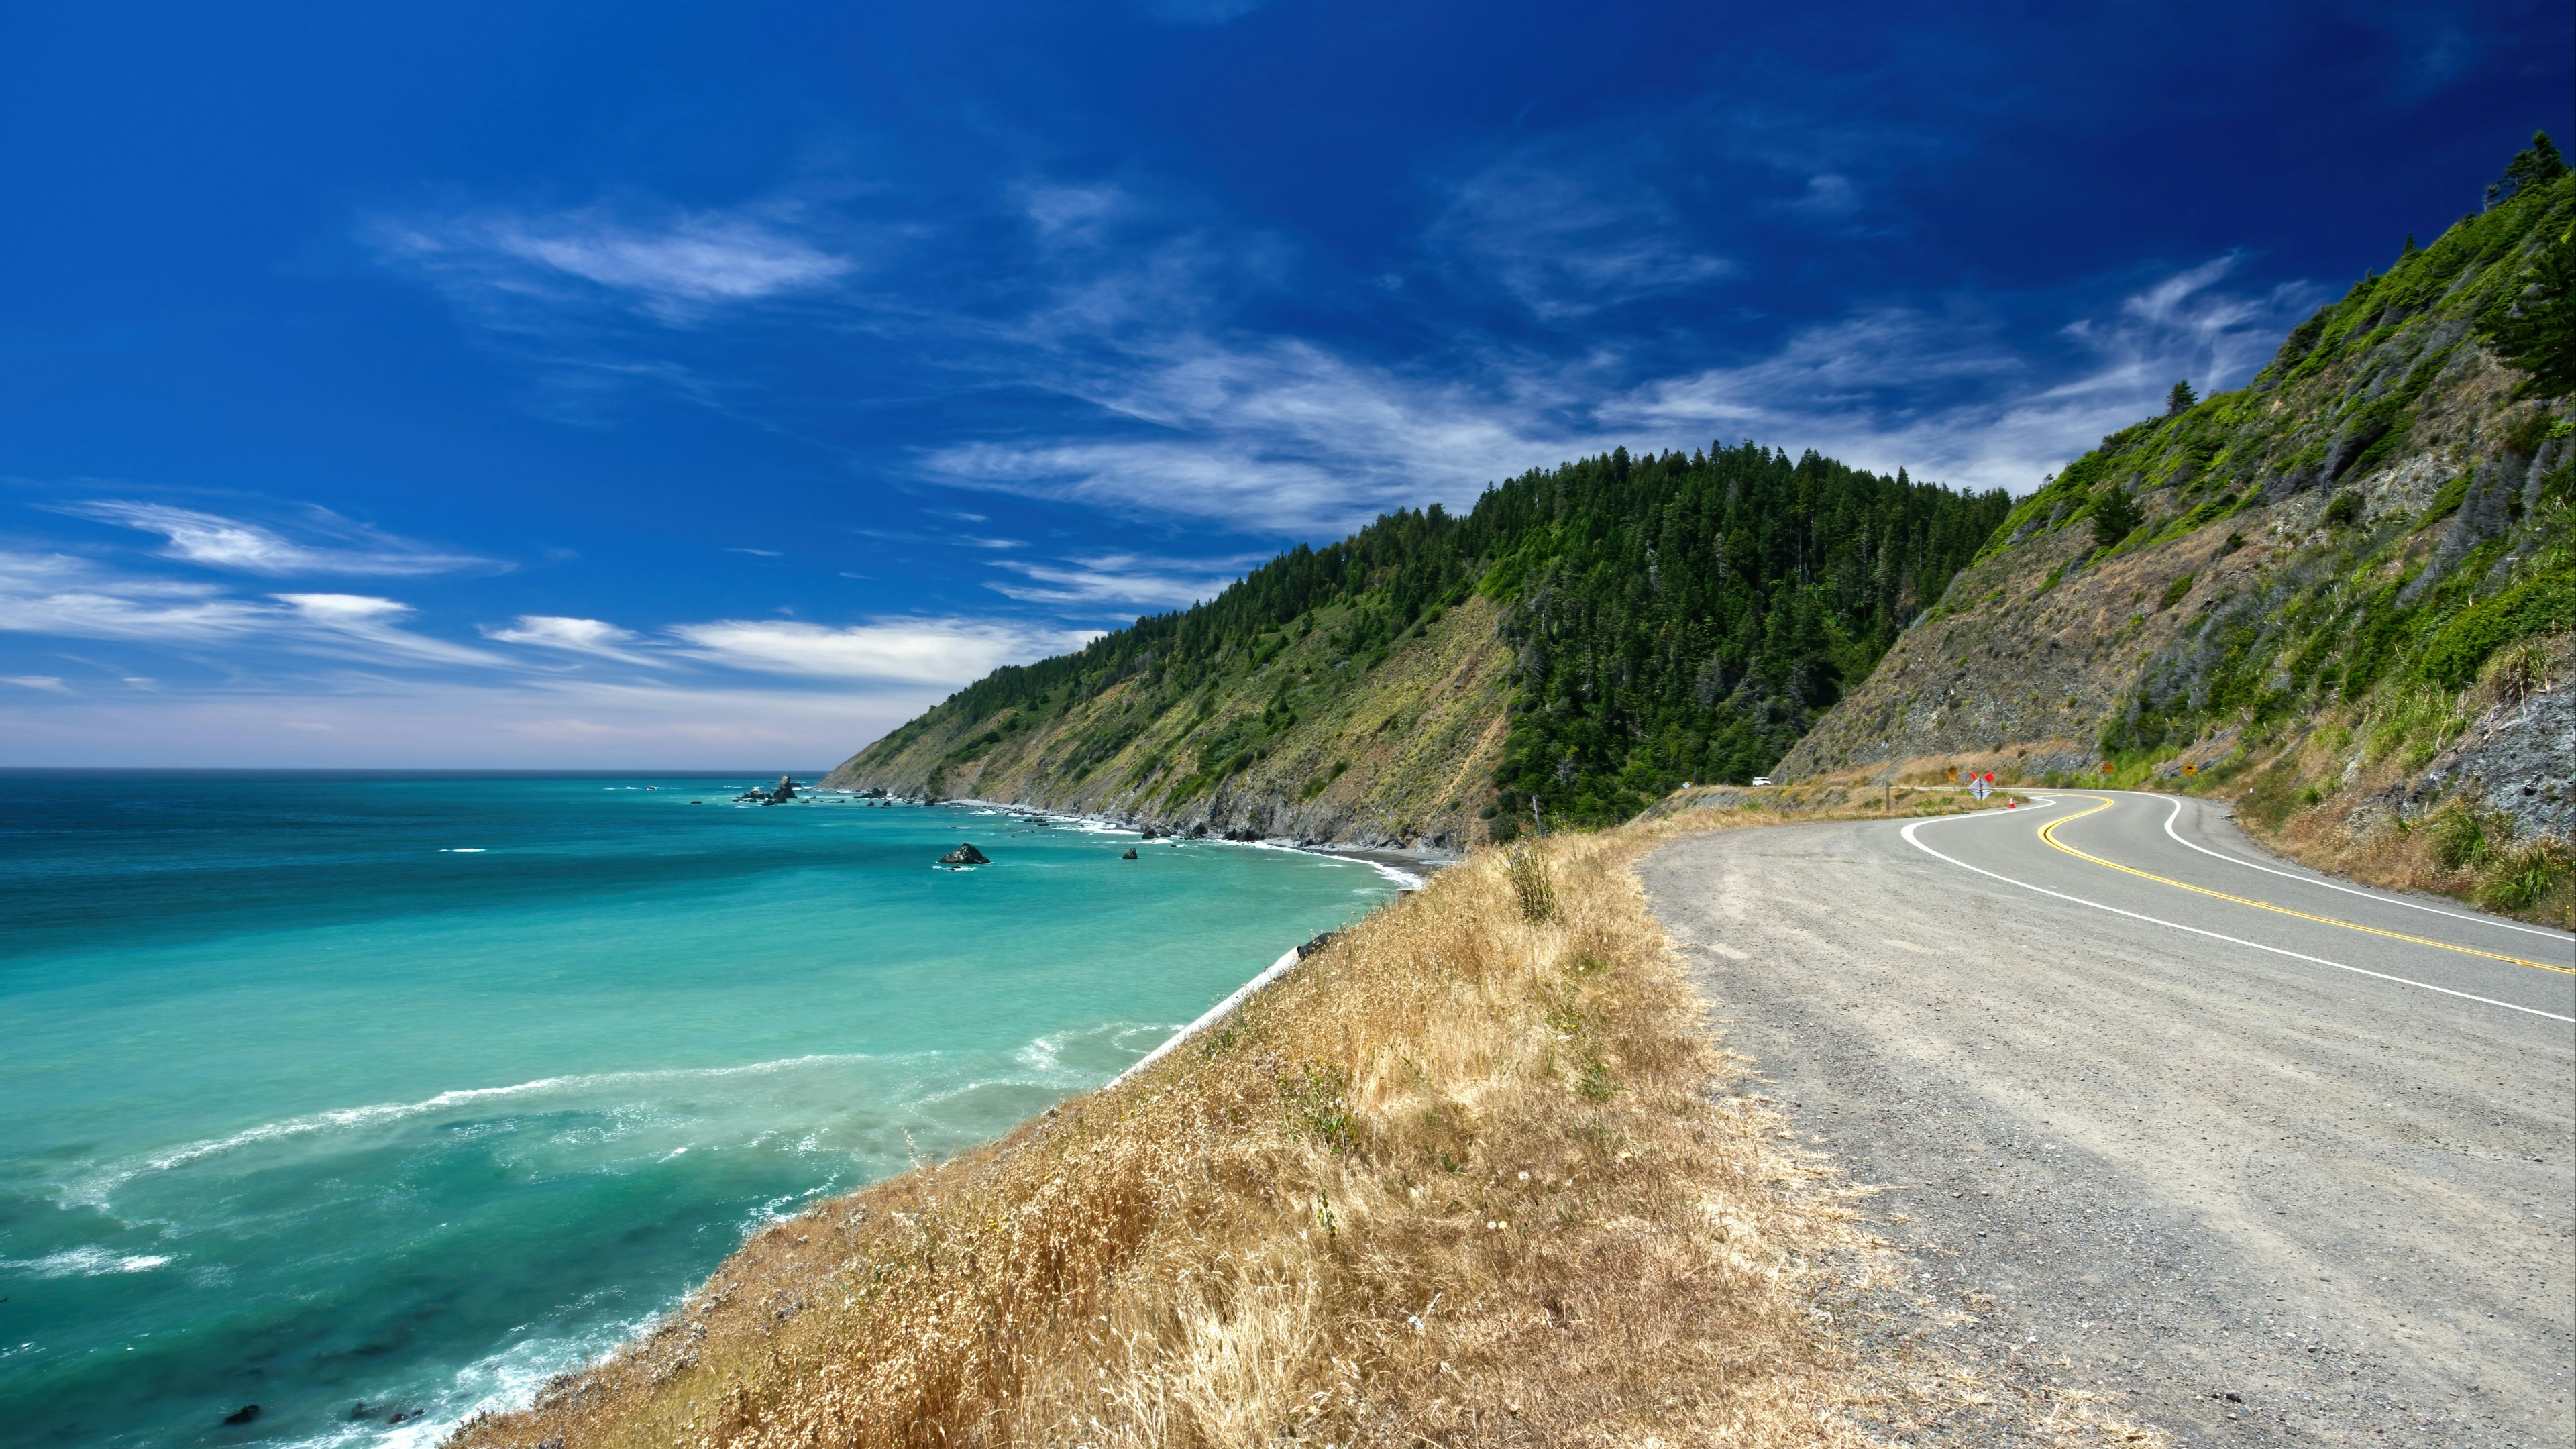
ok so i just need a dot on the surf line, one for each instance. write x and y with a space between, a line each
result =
2048 833
1210 1017
1912 840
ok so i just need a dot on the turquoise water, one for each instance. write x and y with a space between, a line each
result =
355 1097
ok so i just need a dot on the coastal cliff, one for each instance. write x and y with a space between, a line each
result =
1398 754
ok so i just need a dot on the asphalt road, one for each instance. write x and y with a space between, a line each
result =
2272 1158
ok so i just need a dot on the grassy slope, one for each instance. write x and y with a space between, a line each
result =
1464 1177
2333 570
1402 753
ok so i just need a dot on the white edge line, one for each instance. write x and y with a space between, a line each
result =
2381 897
1910 839
1213 1015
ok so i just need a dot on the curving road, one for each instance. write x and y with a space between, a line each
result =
2265 1156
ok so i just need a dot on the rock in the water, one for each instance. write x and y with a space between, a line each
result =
964 855
1152 834
243 1415
1130 855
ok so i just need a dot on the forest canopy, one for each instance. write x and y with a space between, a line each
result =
1674 616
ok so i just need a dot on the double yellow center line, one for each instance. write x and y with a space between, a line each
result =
2049 831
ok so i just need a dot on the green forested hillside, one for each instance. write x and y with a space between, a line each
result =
1665 617
1685 618
2343 591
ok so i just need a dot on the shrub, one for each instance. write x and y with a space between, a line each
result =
2464 836
1531 887
2345 509
2543 602
2525 875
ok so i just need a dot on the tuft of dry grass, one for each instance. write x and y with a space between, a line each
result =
1473 1174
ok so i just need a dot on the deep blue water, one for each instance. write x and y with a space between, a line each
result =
352 1096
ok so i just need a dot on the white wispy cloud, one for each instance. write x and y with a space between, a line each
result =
51 683
232 543
678 268
1827 194
1281 436
573 635
366 622
1948 396
949 651
1119 579
73 598
1567 244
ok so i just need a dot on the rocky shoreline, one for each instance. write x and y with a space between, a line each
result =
1412 861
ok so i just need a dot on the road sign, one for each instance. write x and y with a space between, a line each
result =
1979 788
2106 767
2190 769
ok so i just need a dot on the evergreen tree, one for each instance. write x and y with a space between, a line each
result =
2115 517
2535 165
2182 399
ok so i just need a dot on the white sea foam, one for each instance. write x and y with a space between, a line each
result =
460 850
95 1191
497 1383
1404 879
1043 1054
83 1263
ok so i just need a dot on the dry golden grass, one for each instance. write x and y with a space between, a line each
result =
1465 1177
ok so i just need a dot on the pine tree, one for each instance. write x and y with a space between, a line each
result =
2182 399
2535 165
2115 517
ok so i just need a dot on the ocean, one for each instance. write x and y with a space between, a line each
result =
376 1099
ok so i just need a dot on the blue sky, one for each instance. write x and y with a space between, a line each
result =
661 385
